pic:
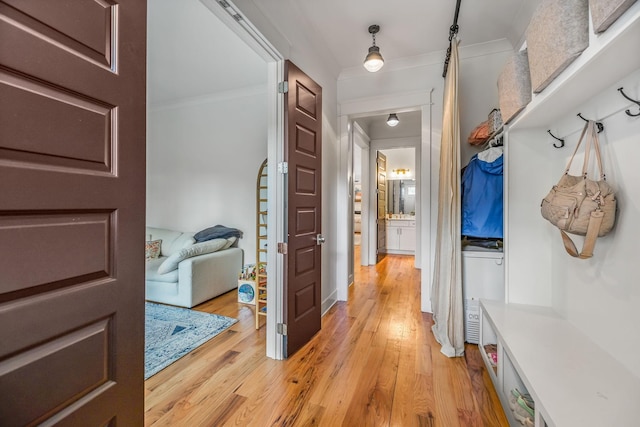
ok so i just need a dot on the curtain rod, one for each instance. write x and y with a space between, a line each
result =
453 30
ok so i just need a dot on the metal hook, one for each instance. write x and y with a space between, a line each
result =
632 100
600 125
559 139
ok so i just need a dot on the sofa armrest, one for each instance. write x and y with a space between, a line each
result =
210 275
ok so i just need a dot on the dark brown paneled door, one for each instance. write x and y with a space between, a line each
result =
381 162
303 140
72 200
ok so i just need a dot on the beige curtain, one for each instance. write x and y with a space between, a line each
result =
446 289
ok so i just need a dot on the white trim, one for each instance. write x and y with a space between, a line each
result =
244 29
329 302
425 193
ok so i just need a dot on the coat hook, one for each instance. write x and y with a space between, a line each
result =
559 139
600 125
632 100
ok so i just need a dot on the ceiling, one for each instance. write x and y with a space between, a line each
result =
409 27
187 44
376 126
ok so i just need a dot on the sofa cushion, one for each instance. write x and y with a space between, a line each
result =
171 263
153 275
172 241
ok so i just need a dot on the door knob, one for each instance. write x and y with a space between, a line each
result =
319 239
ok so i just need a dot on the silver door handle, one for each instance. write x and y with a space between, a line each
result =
319 239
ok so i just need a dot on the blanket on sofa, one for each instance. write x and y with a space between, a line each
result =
217 232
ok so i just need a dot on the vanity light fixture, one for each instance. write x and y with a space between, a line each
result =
373 62
393 120
401 171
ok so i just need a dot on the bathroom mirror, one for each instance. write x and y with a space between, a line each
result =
401 196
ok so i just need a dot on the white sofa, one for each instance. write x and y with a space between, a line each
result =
196 273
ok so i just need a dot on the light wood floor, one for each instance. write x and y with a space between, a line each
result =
374 363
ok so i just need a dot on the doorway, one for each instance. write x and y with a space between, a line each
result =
354 121
194 124
372 135
401 204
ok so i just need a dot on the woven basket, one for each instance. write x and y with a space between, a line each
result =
514 86
605 12
557 35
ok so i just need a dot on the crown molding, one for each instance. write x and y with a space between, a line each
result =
209 98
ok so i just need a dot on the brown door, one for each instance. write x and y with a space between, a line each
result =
303 139
72 186
381 162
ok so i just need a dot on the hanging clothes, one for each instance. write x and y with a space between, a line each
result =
482 195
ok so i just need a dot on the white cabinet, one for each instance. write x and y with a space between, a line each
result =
482 277
401 236
572 380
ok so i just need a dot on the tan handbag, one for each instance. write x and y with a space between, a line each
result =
579 205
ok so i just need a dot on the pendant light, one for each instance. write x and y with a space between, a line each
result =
373 62
393 120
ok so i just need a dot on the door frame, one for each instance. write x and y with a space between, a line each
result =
276 193
424 175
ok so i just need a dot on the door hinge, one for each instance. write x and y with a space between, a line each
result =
282 248
283 167
281 328
283 87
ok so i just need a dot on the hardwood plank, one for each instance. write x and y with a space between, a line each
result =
375 362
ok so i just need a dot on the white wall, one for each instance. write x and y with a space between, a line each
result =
389 146
401 158
600 296
202 164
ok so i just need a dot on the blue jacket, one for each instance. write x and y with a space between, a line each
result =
482 199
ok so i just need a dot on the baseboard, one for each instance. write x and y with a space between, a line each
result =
329 302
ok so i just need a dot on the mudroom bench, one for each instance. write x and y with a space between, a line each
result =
572 380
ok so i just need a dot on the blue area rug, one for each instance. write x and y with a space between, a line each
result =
171 332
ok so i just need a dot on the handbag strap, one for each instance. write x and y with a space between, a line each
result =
591 134
590 239
587 149
584 131
596 144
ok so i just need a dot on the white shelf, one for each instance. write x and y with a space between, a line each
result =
573 381
610 56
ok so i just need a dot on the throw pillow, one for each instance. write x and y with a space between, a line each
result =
230 242
171 263
152 249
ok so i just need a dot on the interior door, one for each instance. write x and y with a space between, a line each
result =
303 148
72 212
381 162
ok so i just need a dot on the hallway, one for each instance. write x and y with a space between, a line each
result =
374 363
